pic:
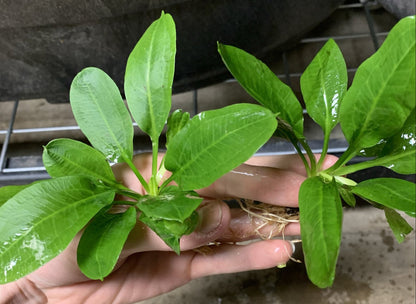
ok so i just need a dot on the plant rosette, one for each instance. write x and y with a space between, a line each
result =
83 189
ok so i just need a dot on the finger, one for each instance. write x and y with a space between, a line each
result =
265 184
237 258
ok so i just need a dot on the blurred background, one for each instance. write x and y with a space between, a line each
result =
44 43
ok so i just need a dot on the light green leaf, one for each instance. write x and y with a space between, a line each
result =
347 196
171 204
320 212
324 84
40 221
101 114
398 224
382 94
394 193
171 231
264 86
62 157
176 121
225 137
149 76
102 241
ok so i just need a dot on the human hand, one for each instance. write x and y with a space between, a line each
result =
147 267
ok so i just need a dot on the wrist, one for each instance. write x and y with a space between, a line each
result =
21 291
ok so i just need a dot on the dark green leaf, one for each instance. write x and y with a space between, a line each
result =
40 221
101 114
63 157
382 94
399 151
171 231
172 204
102 241
324 84
320 212
149 76
225 137
176 121
398 224
7 192
390 192
263 85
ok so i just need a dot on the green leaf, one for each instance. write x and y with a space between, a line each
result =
399 151
347 196
324 84
102 241
176 121
7 192
264 86
320 212
225 137
101 114
171 231
398 224
149 76
390 192
382 94
171 204
63 157
40 221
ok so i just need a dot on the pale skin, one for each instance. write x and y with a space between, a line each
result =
147 267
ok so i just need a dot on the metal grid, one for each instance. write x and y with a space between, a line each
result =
10 174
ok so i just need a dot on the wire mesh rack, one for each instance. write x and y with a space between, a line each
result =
19 163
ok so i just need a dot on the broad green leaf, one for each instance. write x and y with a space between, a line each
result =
264 86
176 121
398 224
149 76
399 151
40 221
7 192
62 157
394 193
101 114
171 204
171 231
320 212
102 241
382 94
225 137
324 84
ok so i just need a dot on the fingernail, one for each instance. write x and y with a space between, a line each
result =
210 216
293 247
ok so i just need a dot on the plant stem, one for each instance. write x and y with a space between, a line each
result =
137 173
311 157
345 158
305 162
153 184
324 150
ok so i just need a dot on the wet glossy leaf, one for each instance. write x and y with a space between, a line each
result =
382 94
176 121
171 204
398 224
215 142
45 218
263 85
149 76
394 193
102 241
320 212
324 84
171 231
101 114
399 151
62 157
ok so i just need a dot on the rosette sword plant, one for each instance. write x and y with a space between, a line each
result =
39 220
